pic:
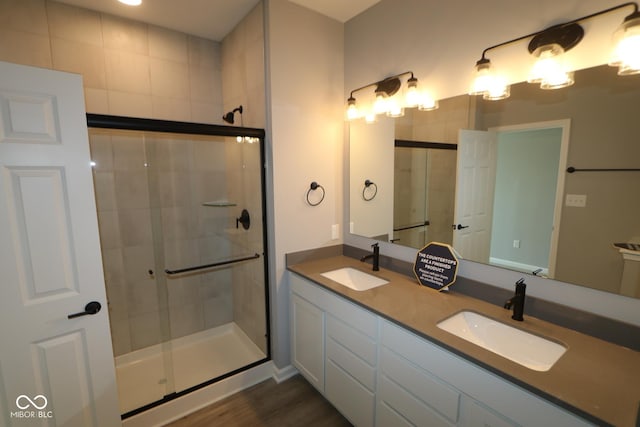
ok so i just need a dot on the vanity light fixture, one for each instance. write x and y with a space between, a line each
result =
131 2
549 46
389 99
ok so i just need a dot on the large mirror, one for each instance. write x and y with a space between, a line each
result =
490 178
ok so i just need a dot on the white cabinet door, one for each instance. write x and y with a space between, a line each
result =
59 369
307 340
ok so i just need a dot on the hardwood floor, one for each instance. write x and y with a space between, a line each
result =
291 403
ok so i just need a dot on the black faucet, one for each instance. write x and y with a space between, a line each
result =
375 255
517 301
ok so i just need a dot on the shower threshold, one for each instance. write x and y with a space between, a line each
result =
197 358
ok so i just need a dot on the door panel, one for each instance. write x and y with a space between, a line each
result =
50 256
474 194
40 223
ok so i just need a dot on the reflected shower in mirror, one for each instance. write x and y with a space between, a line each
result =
514 203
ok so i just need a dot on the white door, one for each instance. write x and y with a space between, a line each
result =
54 371
475 182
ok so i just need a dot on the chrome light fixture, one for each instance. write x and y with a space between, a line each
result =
389 99
549 46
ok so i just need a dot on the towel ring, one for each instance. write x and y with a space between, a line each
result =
314 186
367 184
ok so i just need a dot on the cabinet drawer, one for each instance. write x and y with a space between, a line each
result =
355 316
402 402
357 342
420 384
354 401
387 417
476 415
352 364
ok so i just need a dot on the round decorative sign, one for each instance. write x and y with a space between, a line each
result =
436 266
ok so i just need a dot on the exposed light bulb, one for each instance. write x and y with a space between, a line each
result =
380 106
497 89
488 83
412 97
352 109
482 78
626 52
549 69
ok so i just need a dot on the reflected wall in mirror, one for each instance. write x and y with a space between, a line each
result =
515 205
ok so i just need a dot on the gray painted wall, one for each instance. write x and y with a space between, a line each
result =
527 169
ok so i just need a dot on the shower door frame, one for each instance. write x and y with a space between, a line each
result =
104 121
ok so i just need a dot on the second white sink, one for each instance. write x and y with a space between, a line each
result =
354 279
522 347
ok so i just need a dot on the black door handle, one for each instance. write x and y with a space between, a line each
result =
91 308
459 226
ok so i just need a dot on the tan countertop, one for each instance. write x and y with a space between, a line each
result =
593 377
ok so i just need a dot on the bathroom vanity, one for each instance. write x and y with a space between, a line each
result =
379 357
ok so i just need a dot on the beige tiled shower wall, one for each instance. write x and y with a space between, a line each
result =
244 84
129 68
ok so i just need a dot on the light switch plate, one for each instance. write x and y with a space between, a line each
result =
576 200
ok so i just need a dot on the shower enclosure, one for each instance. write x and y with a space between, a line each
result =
182 229
424 192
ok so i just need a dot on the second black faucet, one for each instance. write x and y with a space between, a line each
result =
517 301
375 255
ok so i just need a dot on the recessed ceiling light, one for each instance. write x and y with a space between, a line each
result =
131 2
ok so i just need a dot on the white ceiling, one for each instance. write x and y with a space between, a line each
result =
211 19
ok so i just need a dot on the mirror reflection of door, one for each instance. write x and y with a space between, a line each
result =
476 173
518 227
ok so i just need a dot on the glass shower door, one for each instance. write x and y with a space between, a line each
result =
182 231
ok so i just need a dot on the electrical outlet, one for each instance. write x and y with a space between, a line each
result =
576 200
335 231
516 244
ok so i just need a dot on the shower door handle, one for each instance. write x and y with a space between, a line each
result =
91 308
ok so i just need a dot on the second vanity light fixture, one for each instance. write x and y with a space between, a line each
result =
548 47
389 100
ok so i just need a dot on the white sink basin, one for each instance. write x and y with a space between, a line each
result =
354 279
527 349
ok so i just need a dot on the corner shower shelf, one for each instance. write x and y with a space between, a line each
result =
219 204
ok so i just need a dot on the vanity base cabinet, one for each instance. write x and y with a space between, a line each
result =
484 398
343 349
378 373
